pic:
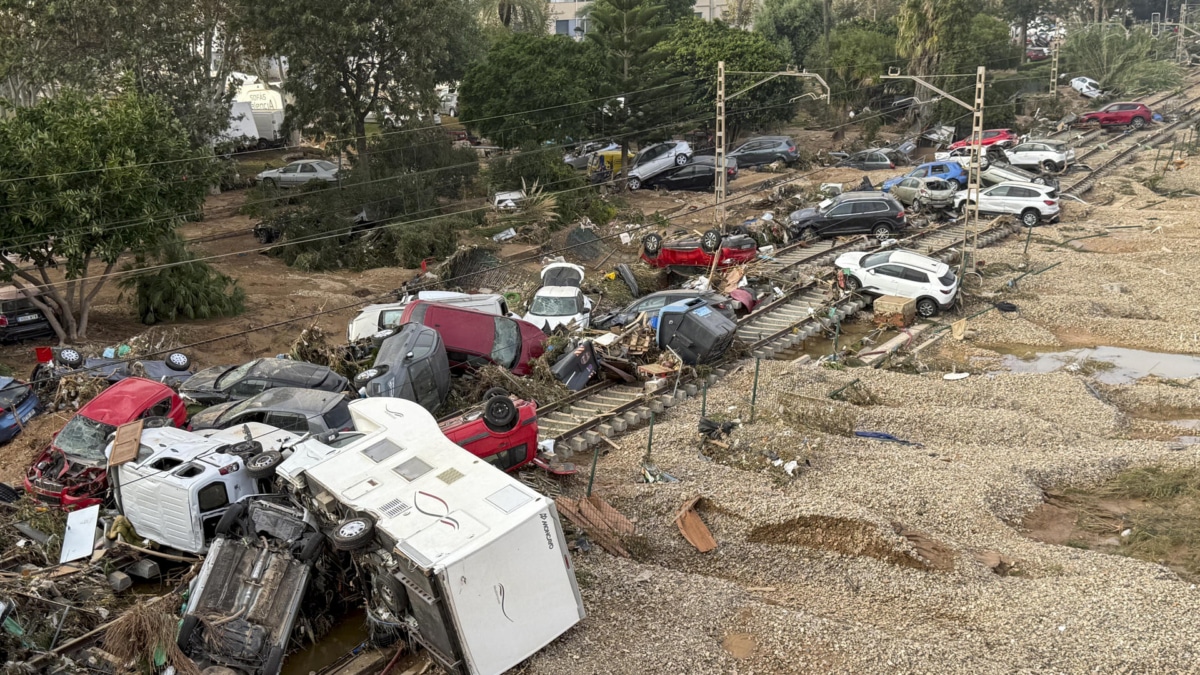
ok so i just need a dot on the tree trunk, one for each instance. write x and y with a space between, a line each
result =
363 168
85 303
1024 38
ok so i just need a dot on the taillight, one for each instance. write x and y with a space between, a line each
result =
3 321
791 148
945 291
230 468
1048 202
900 215
891 165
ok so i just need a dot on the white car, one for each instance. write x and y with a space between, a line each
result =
1048 155
901 273
508 201
299 173
560 301
1031 202
1087 87
656 159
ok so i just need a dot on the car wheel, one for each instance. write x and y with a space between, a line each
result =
1050 166
852 283
263 464
652 244
178 361
494 392
955 184
8 494
311 547
500 414
808 234
354 533
927 307
274 662
1138 123
264 235
1030 217
378 337
710 241
916 207
681 159
269 183
635 183
230 518
70 358
185 631
882 231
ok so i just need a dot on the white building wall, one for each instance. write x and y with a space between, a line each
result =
564 14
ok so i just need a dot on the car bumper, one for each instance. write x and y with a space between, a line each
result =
18 332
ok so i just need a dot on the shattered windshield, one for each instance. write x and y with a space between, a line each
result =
12 395
84 438
234 375
544 305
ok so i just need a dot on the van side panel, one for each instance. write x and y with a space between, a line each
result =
160 510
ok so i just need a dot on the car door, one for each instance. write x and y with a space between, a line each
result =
307 172
913 282
880 161
906 190
685 178
248 387
884 279
839 219
939 171
1021 198
754 153
289 175
996 200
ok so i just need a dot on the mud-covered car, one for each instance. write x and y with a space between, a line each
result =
289 408
234 383
410 363
173 370
245 601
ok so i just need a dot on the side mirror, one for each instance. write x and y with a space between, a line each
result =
586 310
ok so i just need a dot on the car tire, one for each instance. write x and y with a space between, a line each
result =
70 357
882 231
710 241
852 283
634 183
1138 123
927 308
274 662
681 159
186 629
353 533
310 548
263 464
8 494
500 414
178 361
269 183
378 337
494 392
652 245
808 234
955 184
1030 217
230 518
1050 166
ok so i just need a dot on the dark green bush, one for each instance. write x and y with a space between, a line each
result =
185 289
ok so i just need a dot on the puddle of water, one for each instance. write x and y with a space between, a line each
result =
347 635
1110 365
817 346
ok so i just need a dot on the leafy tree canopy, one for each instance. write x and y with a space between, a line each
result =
1122 60
87 180
793 25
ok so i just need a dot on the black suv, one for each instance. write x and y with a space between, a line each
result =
20 319
849 213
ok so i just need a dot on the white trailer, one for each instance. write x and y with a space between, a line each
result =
469 560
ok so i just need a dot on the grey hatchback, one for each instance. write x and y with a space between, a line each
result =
288 408
765 150
655 301
411 363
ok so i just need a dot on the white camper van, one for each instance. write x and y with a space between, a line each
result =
468 561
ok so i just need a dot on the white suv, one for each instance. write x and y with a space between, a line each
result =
1031 202
656 159
1042 154
904 274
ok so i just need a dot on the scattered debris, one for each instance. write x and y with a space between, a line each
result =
599 520
693 528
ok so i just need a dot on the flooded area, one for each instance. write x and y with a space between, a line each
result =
849 335
349 633
1110 365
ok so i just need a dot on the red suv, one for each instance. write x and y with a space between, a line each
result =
504 433
73 471
1000 137
1135 115
473 338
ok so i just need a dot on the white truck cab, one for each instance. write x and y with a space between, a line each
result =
181 482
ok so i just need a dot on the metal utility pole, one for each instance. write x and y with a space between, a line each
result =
967 264
1054 62
720 139
1155 24
1181 52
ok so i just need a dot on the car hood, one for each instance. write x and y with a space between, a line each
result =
848 260
204 381
803 214
891 182
210 417
269 173
549 323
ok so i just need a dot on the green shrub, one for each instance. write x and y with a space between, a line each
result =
185 289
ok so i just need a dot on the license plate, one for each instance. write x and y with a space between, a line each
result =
24 318
25 418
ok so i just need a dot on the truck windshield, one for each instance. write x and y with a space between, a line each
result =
84 438
544 305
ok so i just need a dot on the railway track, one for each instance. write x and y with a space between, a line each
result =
586 418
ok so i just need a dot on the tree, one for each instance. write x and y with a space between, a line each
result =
738 13
674 10
532 89
527 16
183 52
794 25
646 98
856 58
356 58
928 28
88 180
1121 60
182 288
695 47
1022 13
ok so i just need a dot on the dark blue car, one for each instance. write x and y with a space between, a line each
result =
949 171
18 404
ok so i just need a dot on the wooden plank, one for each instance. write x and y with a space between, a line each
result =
126 443
612 518
603 536
693 528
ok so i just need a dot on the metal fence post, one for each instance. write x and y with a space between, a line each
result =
704 399
1027 238
650 439
592 478
754 393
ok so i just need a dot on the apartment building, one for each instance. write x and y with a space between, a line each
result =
565 16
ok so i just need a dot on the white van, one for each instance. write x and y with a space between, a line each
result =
374 318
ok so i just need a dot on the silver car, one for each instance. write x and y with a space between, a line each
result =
924 193
299 173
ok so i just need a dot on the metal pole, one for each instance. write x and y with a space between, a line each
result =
719 141
1181 54
1054 64
704 399
650 440
968 258
754 393
1027 238
592 478
1157 153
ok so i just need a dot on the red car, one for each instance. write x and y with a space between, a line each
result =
1000 137
504 433
73 471
735 249
1134 115
474 338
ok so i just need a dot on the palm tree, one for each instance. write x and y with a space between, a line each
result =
527 16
